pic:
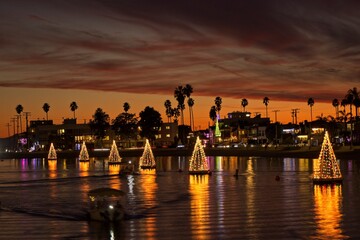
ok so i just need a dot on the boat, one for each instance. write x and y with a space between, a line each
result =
52 153
114 157
198 163
105 205
326 167
84 155
147 160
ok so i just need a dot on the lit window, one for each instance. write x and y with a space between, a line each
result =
167 135
168 127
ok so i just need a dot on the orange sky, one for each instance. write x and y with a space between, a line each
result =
111 102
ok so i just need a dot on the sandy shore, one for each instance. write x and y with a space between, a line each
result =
292 152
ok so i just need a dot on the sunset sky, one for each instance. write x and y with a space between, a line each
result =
106 52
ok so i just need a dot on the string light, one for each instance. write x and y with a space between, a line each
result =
114 157
52 153
147 160
84 155
198 163
327 167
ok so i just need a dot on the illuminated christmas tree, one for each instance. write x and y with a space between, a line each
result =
147 160
217 129
84 155
52 153
326 168
198 163
114 157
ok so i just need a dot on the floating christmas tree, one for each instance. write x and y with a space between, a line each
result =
84 155
198 163
114 157
326 169
147 160
52 153
217 129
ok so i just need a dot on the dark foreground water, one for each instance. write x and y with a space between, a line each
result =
41 200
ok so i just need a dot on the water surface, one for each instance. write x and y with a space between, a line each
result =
47 200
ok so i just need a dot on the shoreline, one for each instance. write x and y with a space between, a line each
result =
343 153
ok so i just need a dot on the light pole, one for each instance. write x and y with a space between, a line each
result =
276 111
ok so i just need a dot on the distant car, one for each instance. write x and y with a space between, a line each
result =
180 146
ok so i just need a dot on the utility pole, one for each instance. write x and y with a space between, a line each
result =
13 121
276 130
294 113
8 127
27 114
276 111
17 123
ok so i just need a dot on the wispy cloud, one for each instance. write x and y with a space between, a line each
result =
282 49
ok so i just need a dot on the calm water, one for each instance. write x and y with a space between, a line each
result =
41 200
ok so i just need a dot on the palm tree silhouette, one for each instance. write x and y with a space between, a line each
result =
168 110
73 107
46 108
191 103
180 98
266 102
336 103
126 106
244 103
311 102
188 90
218 102
19 109
212 113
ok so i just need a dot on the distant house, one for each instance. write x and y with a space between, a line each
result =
241 127
68 135
168 135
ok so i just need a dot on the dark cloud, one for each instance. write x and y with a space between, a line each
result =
283 49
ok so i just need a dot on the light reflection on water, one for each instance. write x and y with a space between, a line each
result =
328 213
168 204
199 190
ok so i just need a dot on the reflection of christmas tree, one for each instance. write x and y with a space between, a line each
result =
327 167
84 155
198 163
147 160
52 153
114 157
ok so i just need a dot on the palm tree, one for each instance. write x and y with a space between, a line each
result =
356 103
175 112
343 117
218 102
266 102
19 109
336 104
73 107
212 113
46 108
350 98
244 103
311 102
168 110
99 124
180 98
188 90
126 107
191 103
